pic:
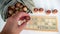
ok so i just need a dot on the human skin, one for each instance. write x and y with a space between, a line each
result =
12 26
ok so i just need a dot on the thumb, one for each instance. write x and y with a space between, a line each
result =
22 26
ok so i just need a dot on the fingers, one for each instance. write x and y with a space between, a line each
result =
17 16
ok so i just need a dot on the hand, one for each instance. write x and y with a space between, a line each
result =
12 26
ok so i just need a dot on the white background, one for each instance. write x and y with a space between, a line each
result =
46 4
